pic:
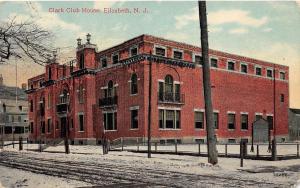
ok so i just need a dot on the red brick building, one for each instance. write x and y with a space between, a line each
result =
107 92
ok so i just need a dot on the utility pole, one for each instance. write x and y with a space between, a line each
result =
149 105
274 145
211 140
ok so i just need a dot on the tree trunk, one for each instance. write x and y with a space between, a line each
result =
211 140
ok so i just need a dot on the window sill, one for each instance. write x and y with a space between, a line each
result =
134 129
231 129
199 129
244 130
110 131
81 131
169 129
133 95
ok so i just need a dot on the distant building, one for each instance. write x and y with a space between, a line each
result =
294 124
24 86
13 114
107 93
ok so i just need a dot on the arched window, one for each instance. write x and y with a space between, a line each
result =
110 88
134 84
169 84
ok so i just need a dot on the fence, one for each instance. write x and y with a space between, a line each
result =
260 150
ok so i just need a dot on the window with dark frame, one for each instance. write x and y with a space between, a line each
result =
81 122
270 122
115 58
43 127
31 105
244 68
134 84
169 119
198 59
230 66
244 121
214 62
282 75
216 120
258 117
104 62
160 51
177 54
269 73
134 119
258 71
110 121
134 51
199 120
81 61
281 97
31 127
231 121
49 125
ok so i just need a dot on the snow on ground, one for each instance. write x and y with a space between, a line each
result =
18 178
227 167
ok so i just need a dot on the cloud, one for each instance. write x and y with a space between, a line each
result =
241 17
179 36
120 27
215 29
267 30
107 4
220 17
238 31
298 3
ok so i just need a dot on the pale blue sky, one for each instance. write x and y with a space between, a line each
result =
262 30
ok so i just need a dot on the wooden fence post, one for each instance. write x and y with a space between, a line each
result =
122 144
225 150
199 148
138 144
175 147
155 146
242 154
257 150
297 150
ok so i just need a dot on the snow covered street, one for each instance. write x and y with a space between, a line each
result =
87 166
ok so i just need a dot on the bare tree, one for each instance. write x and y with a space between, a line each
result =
211 140
25 39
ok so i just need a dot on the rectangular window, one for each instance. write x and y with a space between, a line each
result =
231 141
134 119
177 93
270 122
177 54
199 120
231 121
161 119
257 117
43 127
244 121
81 122
160 51
31 127
213 62
216 120
72 124
269 73
170 116
230 65
161 91
103 62
258 71
244 68
81 94
49 123
198 59
169 119
31 105
115 58
110 120
64 70
133 51
282 75
49 100
281 97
